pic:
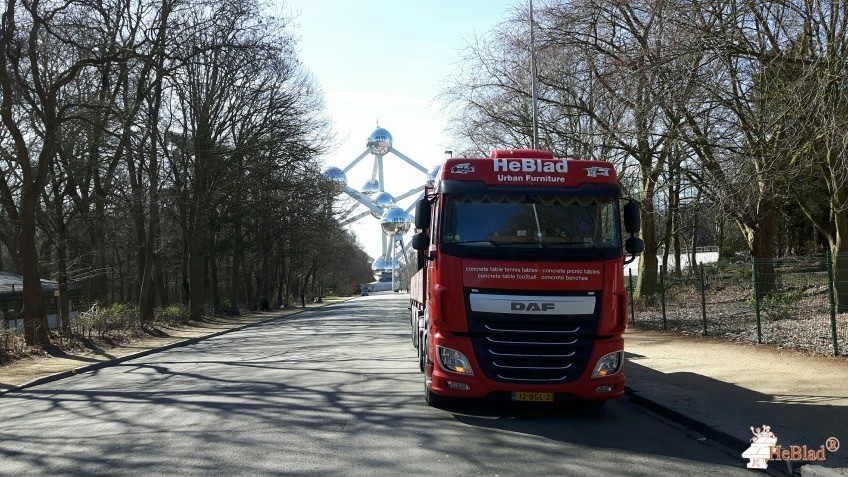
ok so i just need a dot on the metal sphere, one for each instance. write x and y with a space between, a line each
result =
334 174
381 265
395 221
371 187
380 141
384 200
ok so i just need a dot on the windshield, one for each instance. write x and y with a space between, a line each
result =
517 220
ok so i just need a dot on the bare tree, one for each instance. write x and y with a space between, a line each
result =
605 93
807 98
37 63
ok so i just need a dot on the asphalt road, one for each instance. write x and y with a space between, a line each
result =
330 391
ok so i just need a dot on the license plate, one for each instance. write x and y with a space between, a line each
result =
537 397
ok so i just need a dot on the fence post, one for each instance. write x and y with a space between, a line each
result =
832 298
703 298
662 297
632 307
757 302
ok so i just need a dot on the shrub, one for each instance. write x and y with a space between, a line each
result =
227 308
171 315
101 320
779 305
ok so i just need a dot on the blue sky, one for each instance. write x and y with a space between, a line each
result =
387 61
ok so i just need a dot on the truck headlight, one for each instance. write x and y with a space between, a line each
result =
453 360
608 365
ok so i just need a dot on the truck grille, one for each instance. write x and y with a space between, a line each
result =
527 349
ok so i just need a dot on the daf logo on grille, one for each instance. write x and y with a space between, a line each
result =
531 306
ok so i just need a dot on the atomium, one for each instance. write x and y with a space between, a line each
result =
395 221
382 201
433 174
382 265
379 142
334 174
371 187
337 177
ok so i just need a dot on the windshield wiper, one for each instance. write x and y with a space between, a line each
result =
466 242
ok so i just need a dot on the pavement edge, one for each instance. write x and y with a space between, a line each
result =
115 361
725 439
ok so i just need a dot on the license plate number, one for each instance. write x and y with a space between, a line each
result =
536 397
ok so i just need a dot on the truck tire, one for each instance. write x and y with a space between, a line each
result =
422 349
432 399
413 324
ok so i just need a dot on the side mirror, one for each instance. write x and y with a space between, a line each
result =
421 240
632 220
634 245
422 214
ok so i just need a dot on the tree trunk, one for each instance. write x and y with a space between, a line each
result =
98 283
62 272
839 264
760 239
667 238
184 273
147 295
141 246
35 322
160 281
213 279
839 259
235 282
248 290
196 273
280 284
646 282
694 244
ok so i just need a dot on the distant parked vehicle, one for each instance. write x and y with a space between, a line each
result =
365 292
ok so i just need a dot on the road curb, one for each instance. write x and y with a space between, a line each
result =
819 471
115 361
725 439
702 428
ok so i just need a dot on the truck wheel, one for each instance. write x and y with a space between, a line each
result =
413 323
422 349
421 357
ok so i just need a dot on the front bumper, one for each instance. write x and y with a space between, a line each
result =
478 386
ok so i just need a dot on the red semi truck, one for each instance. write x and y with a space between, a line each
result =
519 293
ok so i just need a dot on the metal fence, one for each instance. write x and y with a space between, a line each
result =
791 302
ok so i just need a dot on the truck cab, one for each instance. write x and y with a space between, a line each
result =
520 291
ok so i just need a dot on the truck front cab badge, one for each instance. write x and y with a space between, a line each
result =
464 168
598 171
